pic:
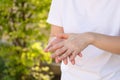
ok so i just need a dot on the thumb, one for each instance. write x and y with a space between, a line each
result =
51 42
62 35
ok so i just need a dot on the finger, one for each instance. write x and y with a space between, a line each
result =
58 52
66 54
65 61
74 54
52 42
62 35
55 47
48 46
80 54
56 60
72 61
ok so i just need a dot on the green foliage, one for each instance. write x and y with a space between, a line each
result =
23 32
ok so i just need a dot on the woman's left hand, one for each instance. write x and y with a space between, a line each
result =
72 46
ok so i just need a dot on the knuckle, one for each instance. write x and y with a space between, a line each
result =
56 54
58 51
62 49
66 52
63 56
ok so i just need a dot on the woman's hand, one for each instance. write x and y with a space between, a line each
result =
53 42
70 47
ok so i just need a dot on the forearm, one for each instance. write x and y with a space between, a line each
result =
55 30
105 42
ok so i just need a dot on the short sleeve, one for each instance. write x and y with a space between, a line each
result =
55 13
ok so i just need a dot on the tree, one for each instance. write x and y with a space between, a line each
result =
23 34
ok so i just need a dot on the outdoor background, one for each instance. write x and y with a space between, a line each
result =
23 36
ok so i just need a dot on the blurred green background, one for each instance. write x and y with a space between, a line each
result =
23 36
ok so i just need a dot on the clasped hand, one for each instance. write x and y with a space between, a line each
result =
67 46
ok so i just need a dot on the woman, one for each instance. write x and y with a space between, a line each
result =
87 38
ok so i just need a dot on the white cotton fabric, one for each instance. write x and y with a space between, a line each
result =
79 16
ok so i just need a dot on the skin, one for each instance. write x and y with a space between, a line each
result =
73 44
54 31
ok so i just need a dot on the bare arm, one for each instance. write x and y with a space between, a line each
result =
101 41
105 42
56 30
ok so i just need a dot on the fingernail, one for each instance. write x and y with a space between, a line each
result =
65 63
80 54
73 62
56 61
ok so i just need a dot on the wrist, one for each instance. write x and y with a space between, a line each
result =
90 37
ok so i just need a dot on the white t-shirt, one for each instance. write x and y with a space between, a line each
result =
79 16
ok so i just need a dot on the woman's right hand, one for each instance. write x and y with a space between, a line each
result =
52 42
